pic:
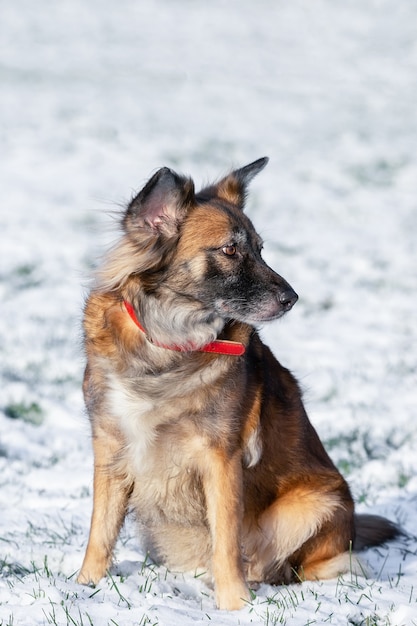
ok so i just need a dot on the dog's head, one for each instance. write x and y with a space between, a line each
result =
199 252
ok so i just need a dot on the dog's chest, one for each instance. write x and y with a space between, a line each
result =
135 417
153 429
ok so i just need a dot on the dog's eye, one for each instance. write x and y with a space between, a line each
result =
230 250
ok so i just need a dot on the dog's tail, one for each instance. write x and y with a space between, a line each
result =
373 530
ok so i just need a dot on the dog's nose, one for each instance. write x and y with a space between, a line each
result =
288 298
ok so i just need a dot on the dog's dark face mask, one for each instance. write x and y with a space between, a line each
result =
226 271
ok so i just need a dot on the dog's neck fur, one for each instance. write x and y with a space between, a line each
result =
218 346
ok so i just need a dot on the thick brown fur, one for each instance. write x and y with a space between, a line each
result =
214 452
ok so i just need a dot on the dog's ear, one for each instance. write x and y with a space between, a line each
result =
233 188
162 204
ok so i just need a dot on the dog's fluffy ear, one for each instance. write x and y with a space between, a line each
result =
162 204
233 188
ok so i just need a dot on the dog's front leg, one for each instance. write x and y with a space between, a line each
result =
223 491
111 496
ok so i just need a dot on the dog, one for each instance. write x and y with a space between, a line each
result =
195 425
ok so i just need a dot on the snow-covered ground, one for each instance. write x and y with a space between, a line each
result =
94 96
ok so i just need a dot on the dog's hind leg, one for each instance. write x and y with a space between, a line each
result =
304 534
328 553
111 494
325 558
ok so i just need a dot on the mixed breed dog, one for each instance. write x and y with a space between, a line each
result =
196 425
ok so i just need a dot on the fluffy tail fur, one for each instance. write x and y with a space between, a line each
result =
372 530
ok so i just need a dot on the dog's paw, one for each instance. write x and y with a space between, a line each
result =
89 578
233 598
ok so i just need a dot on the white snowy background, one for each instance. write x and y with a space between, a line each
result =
94 96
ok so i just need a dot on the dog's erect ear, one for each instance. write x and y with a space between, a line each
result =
233 187
162 204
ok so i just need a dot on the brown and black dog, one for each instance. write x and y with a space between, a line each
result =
195 423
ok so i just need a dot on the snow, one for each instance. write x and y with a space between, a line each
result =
93 98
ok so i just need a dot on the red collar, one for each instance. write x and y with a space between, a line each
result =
220 346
